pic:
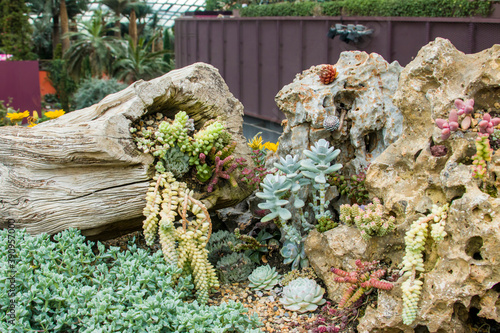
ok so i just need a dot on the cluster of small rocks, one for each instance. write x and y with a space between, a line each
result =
267 306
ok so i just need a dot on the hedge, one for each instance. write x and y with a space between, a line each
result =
414 8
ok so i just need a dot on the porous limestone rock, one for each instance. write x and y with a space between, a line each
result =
461 277
84 170
363 90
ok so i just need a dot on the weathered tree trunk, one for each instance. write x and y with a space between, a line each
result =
84 170
132 27
64 26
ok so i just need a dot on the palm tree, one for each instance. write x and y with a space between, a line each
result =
118 7
60 11
136 11
93 45
138 62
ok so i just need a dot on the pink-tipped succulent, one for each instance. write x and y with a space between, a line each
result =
464 107
487 125
448 126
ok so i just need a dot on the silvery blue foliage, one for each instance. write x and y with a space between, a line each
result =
318 163
63 286
274 187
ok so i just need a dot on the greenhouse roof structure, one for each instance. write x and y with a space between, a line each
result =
167 10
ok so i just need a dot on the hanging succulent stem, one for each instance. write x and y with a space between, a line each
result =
206 218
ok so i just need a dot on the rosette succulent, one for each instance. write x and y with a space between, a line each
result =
263 278
302 295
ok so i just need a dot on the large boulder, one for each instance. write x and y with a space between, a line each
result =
361 96
84 170
461 272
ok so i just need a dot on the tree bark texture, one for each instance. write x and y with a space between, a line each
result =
64 26
84 170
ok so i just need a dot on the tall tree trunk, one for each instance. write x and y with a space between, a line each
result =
132 29
64 26
158 43
55 35
118 26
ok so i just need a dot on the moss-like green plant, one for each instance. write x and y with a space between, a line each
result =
302 295
413 261
368 219
70 285
263 278
306 272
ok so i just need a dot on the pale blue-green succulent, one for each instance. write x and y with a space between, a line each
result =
302 295
294 253
318 163
274 187
263 278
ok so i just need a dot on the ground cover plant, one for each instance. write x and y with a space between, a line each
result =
67 285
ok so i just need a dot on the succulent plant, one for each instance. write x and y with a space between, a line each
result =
274 188
317 165
174 161
302 295
327 74
235 267
294 253
331 123
263 278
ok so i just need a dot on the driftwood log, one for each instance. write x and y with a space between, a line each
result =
84 170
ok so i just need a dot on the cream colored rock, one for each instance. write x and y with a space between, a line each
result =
83 169
363 92
461 272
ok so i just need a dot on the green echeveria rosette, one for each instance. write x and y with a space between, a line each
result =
302 295
263 278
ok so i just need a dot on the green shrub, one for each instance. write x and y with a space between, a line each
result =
65 286
414 8
92 91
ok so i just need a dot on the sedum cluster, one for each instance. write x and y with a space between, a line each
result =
483 155
366 276
263 278
178 147
413 260
306 272
368 219
184 246
302 295
68 285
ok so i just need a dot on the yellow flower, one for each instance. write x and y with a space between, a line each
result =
18 116
54 114
271 146
256 142
32 124
35 115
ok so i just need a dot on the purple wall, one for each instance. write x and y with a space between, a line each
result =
19 80
258 56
